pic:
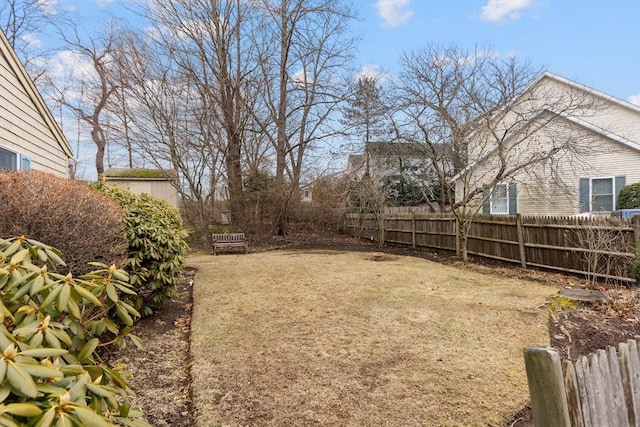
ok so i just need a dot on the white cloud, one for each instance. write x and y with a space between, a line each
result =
300 78
394 13
104 3
67 64
502 10
635 99
372 72
48 7
31 40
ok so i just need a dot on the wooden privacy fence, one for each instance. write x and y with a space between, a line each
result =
598 390
600 248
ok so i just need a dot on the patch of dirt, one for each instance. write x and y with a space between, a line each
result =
160 374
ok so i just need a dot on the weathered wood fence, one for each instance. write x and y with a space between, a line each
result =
596 247
598 390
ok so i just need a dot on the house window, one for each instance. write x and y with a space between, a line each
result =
600 194
8 159
500 199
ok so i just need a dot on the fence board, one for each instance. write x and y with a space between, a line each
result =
573 396
619 408
582 376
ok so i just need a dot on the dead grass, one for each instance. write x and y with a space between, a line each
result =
305 338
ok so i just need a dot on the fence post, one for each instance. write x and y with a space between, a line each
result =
523 260
546 387
381 225
413 230
635 223
457 234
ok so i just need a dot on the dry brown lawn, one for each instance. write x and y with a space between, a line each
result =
324 338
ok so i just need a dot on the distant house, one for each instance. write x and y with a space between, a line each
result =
30 138
155 182
383 159
587 181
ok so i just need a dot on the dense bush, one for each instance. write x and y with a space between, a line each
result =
84 224
52 325
629 197
157 246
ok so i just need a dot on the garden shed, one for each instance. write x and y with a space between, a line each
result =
160 183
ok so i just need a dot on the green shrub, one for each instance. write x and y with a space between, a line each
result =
157 245
629 197
50 370
84 224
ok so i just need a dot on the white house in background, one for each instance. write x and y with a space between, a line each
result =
30 138
587 181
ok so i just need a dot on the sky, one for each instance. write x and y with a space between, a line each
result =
593 42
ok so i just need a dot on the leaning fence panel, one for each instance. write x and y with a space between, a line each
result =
597 390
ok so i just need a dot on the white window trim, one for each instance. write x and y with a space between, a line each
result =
19 157
491 211
17 153
613 196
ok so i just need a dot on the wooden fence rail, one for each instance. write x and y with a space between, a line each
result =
598 390
598 248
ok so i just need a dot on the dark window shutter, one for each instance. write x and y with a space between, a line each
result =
486 202
513 199
585 196
620 182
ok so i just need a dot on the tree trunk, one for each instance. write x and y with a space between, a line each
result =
100 149
234 180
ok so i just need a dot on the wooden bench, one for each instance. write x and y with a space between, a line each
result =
229 240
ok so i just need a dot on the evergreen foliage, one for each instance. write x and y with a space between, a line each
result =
52 326
629 197
157 246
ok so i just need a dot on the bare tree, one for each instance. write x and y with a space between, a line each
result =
87 94
207 41
22 21
169 126
303 50
480 127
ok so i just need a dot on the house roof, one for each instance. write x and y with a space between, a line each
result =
29 87
583 123
585 88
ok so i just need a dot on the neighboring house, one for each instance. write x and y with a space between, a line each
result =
404 172
383 159
597 146
306 193
30 138
155 182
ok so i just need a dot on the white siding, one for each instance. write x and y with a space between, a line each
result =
22 127
543 192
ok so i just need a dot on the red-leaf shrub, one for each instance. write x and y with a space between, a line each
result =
84 224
